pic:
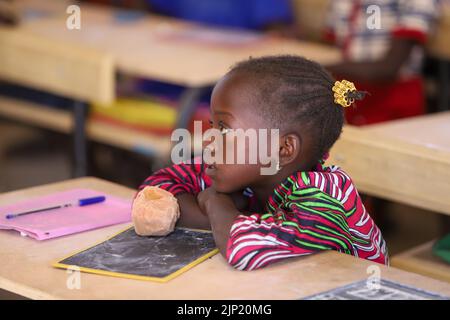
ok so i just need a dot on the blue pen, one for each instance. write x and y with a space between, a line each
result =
80 203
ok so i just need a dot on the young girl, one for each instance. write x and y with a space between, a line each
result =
305 207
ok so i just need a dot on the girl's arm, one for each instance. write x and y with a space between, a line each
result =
384 69
252 242
180 178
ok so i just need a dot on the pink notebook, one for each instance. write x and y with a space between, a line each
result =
61 222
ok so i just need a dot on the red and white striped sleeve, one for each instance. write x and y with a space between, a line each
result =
180 178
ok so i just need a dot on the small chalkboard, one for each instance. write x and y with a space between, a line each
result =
381 290
129 255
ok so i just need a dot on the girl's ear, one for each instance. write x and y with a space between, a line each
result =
290 148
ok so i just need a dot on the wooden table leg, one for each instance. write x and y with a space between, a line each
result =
444 84
80 111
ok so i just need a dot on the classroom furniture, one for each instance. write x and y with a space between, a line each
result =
26 270
154 47
149 47
61 121
82 74
421 260
406 161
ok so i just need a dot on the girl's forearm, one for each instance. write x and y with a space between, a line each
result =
384 69
222 219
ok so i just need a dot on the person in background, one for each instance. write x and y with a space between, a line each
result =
263 15
249 14
382 42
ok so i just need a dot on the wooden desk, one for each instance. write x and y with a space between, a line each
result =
423 156
25 268
81 74
429 136
431 131
159 48
406 161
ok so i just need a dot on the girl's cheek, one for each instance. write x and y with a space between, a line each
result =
229 149
213 151
240 151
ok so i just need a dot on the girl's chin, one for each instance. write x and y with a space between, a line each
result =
222 188
217 186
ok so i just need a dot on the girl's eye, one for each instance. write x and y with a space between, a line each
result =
211 124
222 128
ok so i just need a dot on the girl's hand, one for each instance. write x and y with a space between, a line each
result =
209 200
191 214
239 200
222 212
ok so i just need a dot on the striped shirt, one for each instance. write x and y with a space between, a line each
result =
363 29
308 212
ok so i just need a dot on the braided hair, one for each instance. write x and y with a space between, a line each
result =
294 92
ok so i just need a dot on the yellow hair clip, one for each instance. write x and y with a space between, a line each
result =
341 90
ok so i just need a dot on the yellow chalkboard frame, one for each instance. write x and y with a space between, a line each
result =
58 264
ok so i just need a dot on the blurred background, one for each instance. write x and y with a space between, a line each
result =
102 89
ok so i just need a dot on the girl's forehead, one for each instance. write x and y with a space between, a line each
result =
238 113
234 93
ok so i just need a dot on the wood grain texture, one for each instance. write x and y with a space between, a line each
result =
403 170
421 260
72 71
154 47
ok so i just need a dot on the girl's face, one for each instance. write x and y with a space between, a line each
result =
233 106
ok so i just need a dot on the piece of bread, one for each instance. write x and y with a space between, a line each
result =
155 212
